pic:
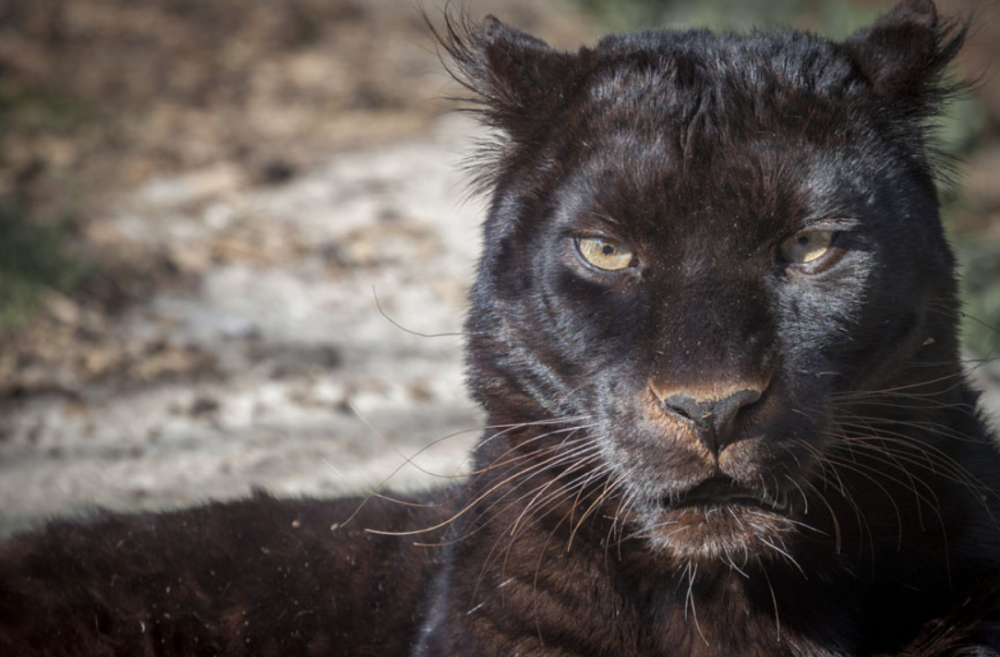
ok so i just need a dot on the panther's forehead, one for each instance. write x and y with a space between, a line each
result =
703 90
745 194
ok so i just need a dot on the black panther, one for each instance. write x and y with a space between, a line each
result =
714 332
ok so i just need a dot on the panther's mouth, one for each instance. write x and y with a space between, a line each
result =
720 518
718 492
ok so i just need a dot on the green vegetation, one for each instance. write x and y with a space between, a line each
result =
836 19
38 110
981 286
34 256
33 259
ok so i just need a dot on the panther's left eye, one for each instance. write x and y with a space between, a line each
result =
605 255
807 246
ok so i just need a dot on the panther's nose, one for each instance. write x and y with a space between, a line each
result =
712 419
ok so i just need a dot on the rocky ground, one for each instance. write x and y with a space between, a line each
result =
283 239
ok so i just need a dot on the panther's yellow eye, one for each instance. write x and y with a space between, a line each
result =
603 254
807 246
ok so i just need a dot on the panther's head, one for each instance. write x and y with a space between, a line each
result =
711 255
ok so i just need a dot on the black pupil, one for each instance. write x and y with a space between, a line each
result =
607 249
803 241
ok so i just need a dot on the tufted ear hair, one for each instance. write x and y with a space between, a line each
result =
516 80
904 53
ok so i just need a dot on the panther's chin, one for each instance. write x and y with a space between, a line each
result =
732 533
724 523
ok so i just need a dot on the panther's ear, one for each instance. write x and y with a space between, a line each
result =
515 79
905 51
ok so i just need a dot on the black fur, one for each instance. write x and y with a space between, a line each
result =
847 508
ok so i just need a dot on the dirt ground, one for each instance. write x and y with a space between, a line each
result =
274 197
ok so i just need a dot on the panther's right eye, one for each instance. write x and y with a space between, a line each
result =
807 246
603 254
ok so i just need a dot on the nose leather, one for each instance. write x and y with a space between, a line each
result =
713 420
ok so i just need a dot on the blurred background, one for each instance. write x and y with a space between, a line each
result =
235 241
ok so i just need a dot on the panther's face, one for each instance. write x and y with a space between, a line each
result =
706 310
705 257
